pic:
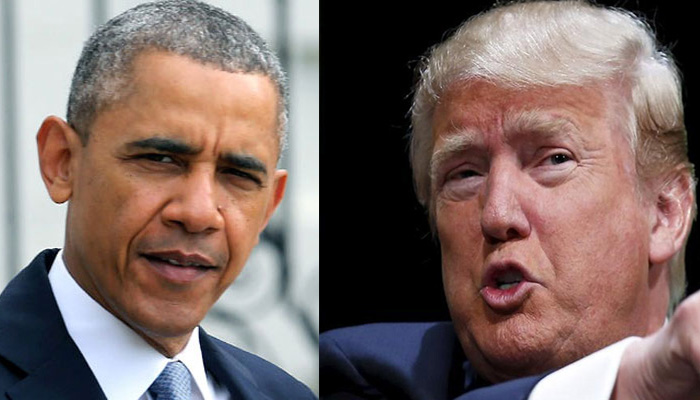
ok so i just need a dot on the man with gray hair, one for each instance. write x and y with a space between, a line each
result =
176 119
549 149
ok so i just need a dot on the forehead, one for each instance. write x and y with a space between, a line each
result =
173 94
482 107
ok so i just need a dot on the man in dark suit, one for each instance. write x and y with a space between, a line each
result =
549 149
176 120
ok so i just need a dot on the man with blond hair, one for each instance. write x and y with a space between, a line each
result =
549 149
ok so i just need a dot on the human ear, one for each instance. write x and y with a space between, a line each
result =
279 183
57 144
672 215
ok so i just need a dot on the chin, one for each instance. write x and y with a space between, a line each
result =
164 320
513 361
504 363
512 349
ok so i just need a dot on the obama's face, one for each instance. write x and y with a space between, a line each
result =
170 192
545 237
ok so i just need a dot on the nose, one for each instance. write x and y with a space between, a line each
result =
194 206
502 216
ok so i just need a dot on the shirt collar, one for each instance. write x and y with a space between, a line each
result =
115 353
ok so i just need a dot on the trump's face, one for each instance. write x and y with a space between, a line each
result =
543 227
170 192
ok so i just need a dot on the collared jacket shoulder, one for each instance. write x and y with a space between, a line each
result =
414 361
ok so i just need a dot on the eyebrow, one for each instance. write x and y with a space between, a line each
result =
244 161
175 146
168 145
542 123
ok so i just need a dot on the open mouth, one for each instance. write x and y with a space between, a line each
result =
506 286
507 279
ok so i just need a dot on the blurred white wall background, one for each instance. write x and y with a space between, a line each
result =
273 307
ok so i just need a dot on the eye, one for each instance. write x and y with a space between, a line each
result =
559 158
461 183
463 174
156 157
553 167
238 174
553 157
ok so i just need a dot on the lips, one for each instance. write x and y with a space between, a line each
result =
179 258
179 267
506 286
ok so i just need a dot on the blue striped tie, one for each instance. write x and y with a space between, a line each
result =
172 384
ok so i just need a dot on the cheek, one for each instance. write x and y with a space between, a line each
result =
461 246
101 202
135 206
596 244
243 220
244 214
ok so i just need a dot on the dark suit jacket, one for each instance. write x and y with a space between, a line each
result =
417 361
39 360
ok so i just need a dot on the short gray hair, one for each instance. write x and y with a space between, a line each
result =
189 28
551 43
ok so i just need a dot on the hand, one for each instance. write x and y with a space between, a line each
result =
665 365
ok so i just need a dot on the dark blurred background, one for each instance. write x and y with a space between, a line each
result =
379 261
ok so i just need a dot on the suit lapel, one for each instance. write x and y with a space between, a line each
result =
518 389
64 375
33 337
227 370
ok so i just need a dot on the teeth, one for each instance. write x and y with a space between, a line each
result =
506 286
179 264
509 279
191 264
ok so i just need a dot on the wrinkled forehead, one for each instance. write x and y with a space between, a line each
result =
475 115
472 110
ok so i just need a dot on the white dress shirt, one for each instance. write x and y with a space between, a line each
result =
123 363
590 378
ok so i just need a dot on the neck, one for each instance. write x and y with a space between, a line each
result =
169 347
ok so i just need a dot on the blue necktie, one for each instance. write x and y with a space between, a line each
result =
172 384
